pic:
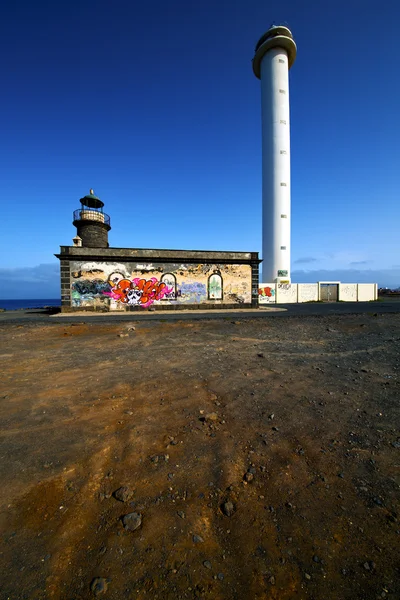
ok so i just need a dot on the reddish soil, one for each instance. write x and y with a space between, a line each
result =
304 446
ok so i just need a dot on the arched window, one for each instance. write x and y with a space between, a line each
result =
215 287
170 281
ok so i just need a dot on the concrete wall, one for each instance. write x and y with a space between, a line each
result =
286 293
308 292
367 291
348 292
122 285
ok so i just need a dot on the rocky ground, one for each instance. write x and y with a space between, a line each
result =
245 459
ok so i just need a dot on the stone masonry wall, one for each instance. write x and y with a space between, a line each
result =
112 285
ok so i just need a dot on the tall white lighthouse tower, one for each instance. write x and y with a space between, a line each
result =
274 55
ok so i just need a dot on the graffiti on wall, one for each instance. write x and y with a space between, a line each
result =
267 291
118 285
137 292
170 281
192 292
266 294
88 290
348 291
87 287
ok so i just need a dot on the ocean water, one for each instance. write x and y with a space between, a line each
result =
36 303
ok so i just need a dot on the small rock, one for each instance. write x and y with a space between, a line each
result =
211 417
341 475
121 335
207 564
220 576
132 328
248 477
123 494
307 576
271 416
198 539
181 514
272 580
261 355
99 585
132 521
228 508
316 558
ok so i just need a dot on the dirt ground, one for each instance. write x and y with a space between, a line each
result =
261 459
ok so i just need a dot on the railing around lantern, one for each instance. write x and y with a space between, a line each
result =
89 214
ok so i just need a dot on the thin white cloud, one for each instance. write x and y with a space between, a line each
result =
305 260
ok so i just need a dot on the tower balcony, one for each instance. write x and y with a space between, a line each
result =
88 214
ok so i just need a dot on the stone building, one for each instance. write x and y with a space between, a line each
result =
97 277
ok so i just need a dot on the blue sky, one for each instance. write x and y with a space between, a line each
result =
155 106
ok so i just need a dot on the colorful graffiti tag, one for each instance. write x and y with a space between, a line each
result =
192 291
87 290
267 292
137 292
